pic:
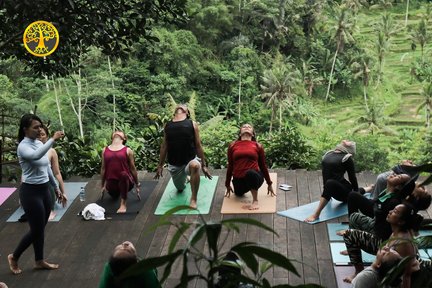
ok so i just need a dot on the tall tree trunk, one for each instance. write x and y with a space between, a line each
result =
114 96
331 73
57 103
406 14
280 118
365 97
428 112
79 114
272 117
239 97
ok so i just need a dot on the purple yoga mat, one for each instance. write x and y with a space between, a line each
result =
5 192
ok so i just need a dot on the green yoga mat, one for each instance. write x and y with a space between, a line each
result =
171 198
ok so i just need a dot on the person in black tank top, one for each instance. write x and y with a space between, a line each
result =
182 146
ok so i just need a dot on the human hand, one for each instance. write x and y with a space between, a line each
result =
158 172
228 191
61 198
206 172
270 191
58 135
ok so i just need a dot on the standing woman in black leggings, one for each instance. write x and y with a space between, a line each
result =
34 192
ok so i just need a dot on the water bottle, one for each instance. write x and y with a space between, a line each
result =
82 194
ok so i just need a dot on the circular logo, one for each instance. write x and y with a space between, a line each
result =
41 38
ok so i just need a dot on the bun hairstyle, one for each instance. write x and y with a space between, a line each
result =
410 218
120 134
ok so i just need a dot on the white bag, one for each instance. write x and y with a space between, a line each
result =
93 212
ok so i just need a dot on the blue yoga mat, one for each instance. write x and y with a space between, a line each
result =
333 209
171 198
72 190
339 259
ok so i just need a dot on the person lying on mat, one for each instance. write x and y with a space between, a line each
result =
118 171
404 222
123 257
34 192
182 145
247 166
371 277
334 165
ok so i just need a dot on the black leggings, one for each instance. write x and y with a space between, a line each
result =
336 189
36 202
359 203
252 180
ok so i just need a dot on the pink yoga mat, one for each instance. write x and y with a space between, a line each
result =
5 192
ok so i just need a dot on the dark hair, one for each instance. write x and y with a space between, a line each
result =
253 135
410 217
45 128
408 187
25 122
385 268
121 262
421 203
228 274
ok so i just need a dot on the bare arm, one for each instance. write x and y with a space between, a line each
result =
200 151
132 167
53 157
103 169
162 157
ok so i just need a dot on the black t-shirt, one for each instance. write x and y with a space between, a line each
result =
334 168
180 141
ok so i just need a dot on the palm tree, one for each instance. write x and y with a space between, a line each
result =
382 46
374 121
387 26
420 35
310 76
427 102
361 69
342 35
280 88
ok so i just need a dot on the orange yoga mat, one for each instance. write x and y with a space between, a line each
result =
239 205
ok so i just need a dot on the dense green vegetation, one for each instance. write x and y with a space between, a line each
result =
306 73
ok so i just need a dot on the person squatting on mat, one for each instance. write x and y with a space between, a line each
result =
182 145
123 257
34 192
247 166
404 222
372 276
334 165
118 171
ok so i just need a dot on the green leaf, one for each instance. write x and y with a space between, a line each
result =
213 232
180 230
150 263
249 222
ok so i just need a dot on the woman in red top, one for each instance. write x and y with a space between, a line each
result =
247 166
118 171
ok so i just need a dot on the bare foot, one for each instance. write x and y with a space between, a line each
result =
344 252
369 188
43 265
193 204
52 215
122 209
349 278
13 265
254 206
340 232
311 218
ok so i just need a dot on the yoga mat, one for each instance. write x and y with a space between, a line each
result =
171 198
72 190
133 204
341 272
267 203
333 209
5 192
339 259
332 228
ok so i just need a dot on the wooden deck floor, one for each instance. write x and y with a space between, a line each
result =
82 247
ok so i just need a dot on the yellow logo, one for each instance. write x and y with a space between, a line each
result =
41 38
